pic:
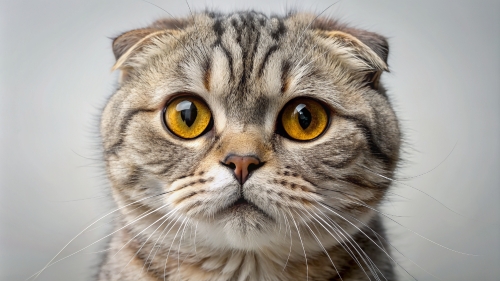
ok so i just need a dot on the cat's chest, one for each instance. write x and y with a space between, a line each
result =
136 260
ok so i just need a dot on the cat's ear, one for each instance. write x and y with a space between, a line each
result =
360 50
129 44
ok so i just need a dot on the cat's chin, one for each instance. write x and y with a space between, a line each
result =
244 226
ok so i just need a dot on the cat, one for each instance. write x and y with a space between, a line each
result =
242 146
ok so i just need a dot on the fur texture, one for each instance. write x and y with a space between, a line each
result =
313 204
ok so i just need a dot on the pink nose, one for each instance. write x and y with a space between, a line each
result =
242 166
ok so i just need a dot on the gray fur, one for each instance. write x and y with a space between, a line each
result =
313 202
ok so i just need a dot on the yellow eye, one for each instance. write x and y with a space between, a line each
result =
304 119
187 117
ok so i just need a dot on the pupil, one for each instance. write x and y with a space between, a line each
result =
304 116
188 112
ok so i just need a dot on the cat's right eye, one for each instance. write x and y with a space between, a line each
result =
187 117
304 119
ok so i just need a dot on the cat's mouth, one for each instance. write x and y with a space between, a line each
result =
241 201
242 205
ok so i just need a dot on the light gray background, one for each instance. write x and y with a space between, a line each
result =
55 60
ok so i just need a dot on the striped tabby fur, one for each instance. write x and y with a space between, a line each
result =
315 214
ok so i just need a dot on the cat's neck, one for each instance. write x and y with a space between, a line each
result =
135 254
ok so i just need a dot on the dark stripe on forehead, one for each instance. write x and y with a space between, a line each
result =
253 23
219 31
252 56
263 64
279 31
236 27
285 76
229 60
255 46
208 73
276 34
244 26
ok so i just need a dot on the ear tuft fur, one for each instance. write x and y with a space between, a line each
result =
372 45
374 41
352 51
131 42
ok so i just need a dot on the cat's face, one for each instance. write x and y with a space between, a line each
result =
245 125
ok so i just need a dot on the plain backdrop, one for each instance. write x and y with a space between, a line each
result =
55 60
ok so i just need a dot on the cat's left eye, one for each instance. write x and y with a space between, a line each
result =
304 119
187 117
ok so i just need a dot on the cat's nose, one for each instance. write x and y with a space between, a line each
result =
242 166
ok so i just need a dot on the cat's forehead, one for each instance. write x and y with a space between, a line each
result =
246 53
241 60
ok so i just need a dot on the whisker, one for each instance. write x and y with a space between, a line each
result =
279 221
302 243
195 231
168 254
190 236
387 191
321 245
81 232
61 259
421 191
431 170
159 237
166 215
143 244
115 218
392 246
179 248
345 246
361 203
287 224
372 267
361 231
341 243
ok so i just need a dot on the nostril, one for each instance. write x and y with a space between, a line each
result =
229 164
252 167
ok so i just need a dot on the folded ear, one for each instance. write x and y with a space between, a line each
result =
361 50
130 43
376 42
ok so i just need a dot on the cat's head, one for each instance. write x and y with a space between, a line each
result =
245 124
